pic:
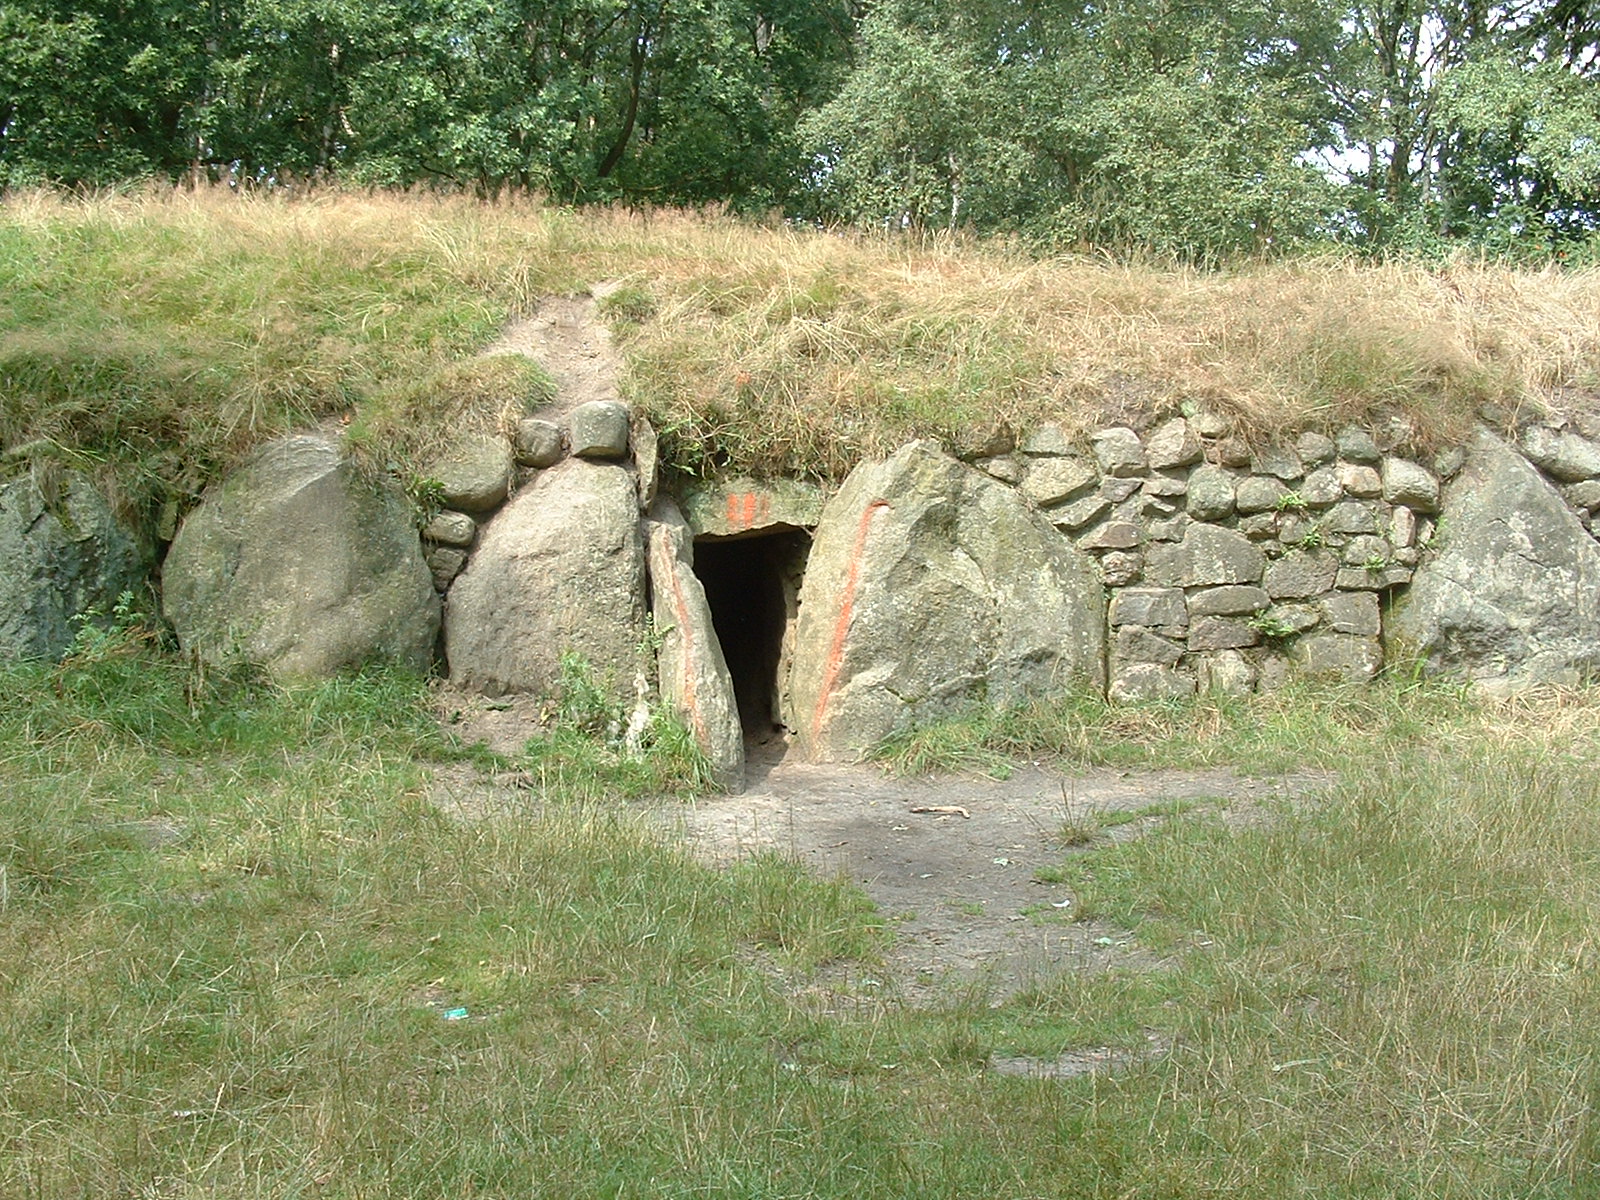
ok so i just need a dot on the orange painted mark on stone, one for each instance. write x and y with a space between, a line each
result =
841 624
745 509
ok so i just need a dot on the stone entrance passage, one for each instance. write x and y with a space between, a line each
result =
752 586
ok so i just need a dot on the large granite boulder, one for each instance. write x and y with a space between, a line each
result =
1512 592
302 564
559 569
62 553
930 587
693 675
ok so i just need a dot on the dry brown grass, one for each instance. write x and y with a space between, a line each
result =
771 348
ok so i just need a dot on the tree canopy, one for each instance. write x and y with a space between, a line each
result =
1203 128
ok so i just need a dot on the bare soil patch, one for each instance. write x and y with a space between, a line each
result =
961 891
566 337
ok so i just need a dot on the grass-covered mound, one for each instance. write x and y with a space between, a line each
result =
166 334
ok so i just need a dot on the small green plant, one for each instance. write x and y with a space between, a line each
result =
1375 563
100 634
1290 501
427 498
1271 627
1077 831
1311 539
585 703
627 308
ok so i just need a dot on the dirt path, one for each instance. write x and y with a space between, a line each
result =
566 336
961 891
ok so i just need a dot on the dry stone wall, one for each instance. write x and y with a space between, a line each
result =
1229 567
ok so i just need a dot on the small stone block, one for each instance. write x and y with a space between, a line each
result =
599 429
450 528
1119 451
1321 488
1075 514
1149 681
1351 612
1113 535
1301 574
1292 618
1047 439
1351 516
1315 449
1280 462
1211 493
1117 489
1119 568
1356 445
1165 486
1404 482
538 443
1360 480
1221 633
1259 527
1005 468
1170 530
1351 659
1447 463
474 474
1054 480
1259 493
445 563
1360 579
1402 527
1159 607
1172 444
1231 452
1365 549
1136 644
1230 600
1584 494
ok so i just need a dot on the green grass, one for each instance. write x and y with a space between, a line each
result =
232 923
1303 725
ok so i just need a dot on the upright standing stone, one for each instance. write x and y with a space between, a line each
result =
559 569
931 587
300 564
599 429
691 669
1513 593
62 552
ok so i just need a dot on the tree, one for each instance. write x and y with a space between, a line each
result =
1140 125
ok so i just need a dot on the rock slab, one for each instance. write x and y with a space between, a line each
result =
692 672
61 554
1512 595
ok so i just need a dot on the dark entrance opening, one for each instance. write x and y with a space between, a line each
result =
752 588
